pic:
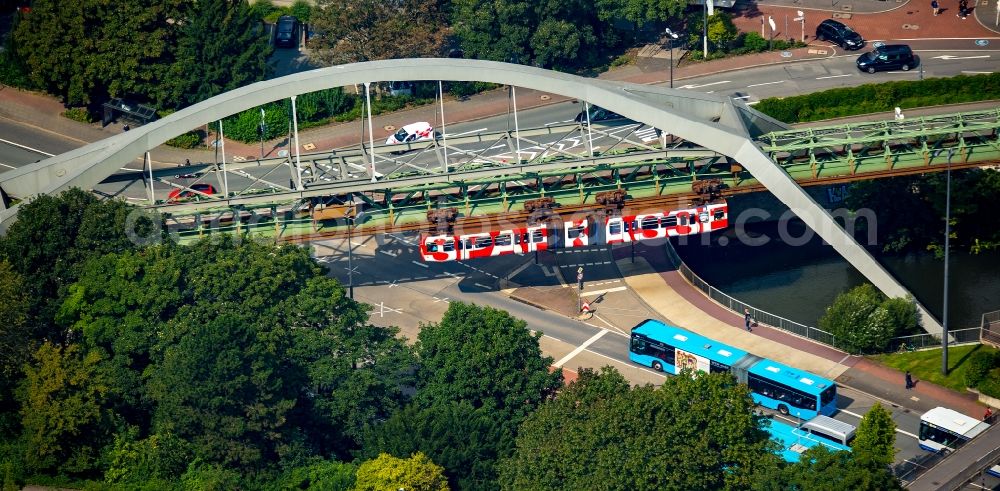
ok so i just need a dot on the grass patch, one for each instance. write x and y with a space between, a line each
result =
926 364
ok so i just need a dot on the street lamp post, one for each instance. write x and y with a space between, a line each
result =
671 36
947 232
262 129
704 35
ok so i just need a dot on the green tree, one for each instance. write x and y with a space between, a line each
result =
875 444
15 340
692 433
222 47
219 380
85 51
203 476
819 469
466 441
640 12
386 472
486 357
864 321
367 30
62 415
721 30
154 461
319 475
52 238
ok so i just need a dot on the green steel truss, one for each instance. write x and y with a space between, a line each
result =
851 151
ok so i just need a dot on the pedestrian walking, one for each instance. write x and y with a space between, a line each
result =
963 9
747 319
988 415
909 380
936 7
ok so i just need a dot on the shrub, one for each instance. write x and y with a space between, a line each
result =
865 321
191 139
754 43
980 364
78 114
623 60
991 385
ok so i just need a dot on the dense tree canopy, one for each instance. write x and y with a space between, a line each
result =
220 47
875 444
364 30
386 472
692 433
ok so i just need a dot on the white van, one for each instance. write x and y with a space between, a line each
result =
830 429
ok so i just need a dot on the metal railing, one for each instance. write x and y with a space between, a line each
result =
991 328
738 306
925 340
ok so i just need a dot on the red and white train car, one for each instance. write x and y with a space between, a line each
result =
575 233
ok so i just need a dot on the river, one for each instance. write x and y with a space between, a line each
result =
799 282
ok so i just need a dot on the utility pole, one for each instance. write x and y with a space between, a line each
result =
947 233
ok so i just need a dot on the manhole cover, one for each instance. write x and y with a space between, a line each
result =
389 127
786 54
309 146
982 42
545 97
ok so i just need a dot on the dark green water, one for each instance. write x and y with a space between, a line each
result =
799 282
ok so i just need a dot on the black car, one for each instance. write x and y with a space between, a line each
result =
839 33
888 57
286 32
597 114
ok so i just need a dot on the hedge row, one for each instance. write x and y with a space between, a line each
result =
881 97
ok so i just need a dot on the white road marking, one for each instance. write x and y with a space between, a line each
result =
907 433
5 165
436 299
468 132
835 76
743 97
484 287
766 83
953 57
974 72
694 86
26 147
601 292
580 348
520 268
382 310
388 253
422 265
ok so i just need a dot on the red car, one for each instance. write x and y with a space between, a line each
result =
180 194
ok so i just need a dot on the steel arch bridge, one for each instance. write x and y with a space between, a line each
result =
723 126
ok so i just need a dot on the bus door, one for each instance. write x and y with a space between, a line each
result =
439 248
683 223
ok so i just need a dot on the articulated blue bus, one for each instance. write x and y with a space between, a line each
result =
794 440
773 385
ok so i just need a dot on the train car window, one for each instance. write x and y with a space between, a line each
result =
649 222
519 238
536 236
719 214
670 221
615 228
468 244
449 246
460 245
482 242
574 232
502 240
683 219
432 247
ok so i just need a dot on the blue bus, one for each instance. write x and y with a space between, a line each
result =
794 440
773 385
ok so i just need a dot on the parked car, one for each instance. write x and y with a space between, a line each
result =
888 57
839 34
421 130
597 113
286 32
180 194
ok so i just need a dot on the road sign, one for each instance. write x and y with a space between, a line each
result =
770 22
984 42
585 307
